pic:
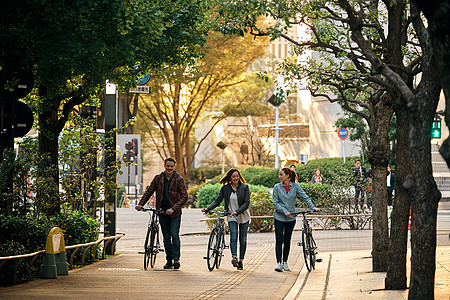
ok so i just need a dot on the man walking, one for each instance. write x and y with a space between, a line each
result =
390 184
360 175
171 195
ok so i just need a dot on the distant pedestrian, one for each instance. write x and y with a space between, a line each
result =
236 194
359 173
390 184
292 168
244 152
284 197
317 177
171 195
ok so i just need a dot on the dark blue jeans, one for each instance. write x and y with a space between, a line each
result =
171 234
243 228
283 234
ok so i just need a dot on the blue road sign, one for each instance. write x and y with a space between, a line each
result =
342 133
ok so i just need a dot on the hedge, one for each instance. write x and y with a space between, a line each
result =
209 192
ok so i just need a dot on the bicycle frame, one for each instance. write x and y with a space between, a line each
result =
151 245
308 243
216 243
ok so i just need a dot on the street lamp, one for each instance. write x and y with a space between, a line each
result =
222 146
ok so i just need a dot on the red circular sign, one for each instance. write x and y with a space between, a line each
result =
342 133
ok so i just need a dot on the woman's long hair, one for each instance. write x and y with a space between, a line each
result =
292 174
227 178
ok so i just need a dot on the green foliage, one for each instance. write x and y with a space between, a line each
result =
261 204
264 176
78 227
320 194
209 192
202 174
236 109
331 168
27 231
10 248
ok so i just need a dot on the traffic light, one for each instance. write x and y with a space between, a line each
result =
135 147
129 156
436 128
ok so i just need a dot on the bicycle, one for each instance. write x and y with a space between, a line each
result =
216 242
151 245
308 243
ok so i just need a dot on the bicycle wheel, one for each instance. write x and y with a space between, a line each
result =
312 250
154 238
220 248
306 249
147 249
211 254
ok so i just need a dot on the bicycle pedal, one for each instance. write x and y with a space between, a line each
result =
300 243
204 257
319 260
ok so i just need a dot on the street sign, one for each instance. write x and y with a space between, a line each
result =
143 80
24 119
141 89
342 133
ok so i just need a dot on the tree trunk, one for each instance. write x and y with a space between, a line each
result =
48 195
380 115
425 199
396 271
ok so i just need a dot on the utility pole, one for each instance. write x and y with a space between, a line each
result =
110 158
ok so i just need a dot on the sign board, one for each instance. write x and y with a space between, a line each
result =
342 133
141 89
143 80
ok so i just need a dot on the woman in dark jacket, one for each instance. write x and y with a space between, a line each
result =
236 194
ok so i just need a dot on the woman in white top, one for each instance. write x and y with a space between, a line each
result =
236 194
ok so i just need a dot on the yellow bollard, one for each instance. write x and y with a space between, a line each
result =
54 261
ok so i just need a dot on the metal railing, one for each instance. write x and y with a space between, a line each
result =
35 255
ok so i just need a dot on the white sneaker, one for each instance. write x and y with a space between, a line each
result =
285 266
278 268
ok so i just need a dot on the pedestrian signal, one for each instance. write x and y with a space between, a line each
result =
436 128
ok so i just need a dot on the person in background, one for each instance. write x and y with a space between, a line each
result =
390 184
284 197
359 173
244 152
369 189
317 177
171 195
292 168
236 194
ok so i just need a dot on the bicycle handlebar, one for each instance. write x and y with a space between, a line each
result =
305 212
221 213
158 211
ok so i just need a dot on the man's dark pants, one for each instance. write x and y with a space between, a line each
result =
171 233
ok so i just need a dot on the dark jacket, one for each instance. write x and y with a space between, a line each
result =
360 175
392 183
243 195
177 192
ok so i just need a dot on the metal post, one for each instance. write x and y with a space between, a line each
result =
277 113
136 183
223 160
343 149
110 158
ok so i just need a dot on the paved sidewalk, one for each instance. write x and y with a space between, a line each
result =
348 275
345 272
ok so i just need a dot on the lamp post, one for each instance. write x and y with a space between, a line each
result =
276 99
222 146
110 158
